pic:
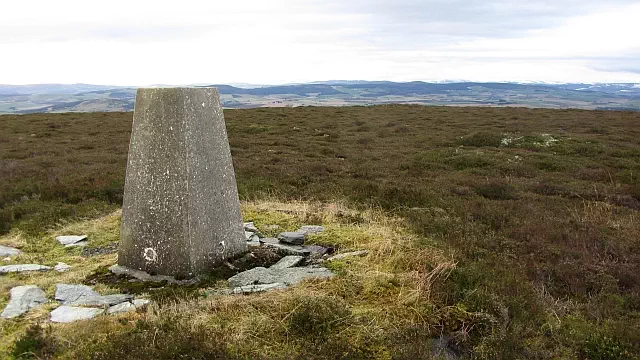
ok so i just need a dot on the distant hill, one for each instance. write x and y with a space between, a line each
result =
86 98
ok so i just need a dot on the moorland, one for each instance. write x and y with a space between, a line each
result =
495 233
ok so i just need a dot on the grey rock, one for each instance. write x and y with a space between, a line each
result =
251 236
310 229
72 240
258 288
67 314
254 242
349 254
71 293
284 248
181 213
143 276
140 303
23 298
293 238
249 226
84 295
287 262
62 267
288 276
121 308
9 251
22 268
316 250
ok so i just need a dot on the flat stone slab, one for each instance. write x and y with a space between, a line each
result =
248 289
310 229
128 306
293 238
144 276
349 254
84 295
67 314
284 248
7 251
22 268
121 308
62 267
138 303
22 299
287 262
72 240
288 276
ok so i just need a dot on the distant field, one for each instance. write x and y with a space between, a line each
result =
89 98
539 209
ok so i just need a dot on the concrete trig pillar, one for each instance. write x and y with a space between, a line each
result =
181 213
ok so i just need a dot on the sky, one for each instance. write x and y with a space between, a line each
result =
140 42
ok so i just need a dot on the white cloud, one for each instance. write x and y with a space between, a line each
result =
279 41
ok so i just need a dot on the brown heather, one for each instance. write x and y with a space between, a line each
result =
514 233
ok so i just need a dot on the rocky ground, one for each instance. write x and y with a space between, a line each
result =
296 263
75 277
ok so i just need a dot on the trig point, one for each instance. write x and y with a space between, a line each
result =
181 213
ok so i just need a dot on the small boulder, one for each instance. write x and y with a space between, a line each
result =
67 314
293 238
72 240
310 229
6 251
22 299
22 268
121 308
287 262
62 267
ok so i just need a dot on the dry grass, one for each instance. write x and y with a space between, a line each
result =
373 295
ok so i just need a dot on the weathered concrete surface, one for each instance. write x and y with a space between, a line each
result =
22 299
181 213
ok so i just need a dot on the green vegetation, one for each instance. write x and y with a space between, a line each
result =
513 233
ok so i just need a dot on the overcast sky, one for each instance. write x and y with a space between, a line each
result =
139 42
